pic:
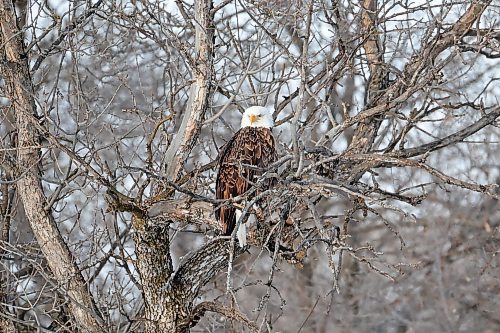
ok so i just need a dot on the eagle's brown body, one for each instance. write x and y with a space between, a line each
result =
253 146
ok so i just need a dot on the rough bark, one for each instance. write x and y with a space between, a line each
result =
6 326
155 266
7 193
169 294
20 91
366 132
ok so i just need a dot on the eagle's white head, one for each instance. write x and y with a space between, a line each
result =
257 116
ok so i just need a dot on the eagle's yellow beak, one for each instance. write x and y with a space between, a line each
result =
252 118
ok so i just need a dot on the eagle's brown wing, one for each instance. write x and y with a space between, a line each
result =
249 146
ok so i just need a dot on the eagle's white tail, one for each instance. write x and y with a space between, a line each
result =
242 230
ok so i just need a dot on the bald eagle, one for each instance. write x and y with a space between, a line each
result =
244 158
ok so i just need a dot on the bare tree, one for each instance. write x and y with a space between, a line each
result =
113 115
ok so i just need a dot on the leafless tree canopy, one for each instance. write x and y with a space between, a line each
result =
385 214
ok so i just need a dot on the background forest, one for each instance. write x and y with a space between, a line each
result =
385 217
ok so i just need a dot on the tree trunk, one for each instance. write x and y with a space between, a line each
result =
169 294
20 92
152 247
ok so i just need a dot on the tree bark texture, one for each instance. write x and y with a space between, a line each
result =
20 92
365 133
169 294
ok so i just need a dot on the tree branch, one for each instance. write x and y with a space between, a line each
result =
231 313
376 160
69 29
192 121
29 186
365 134
416 74
450 139
200 266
